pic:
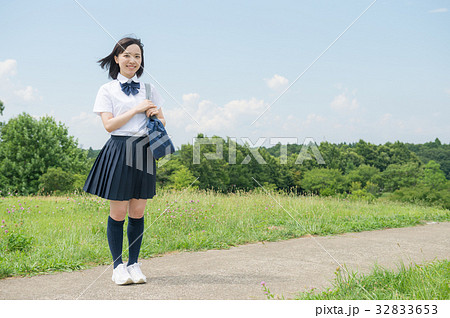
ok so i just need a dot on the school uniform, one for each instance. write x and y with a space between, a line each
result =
124 168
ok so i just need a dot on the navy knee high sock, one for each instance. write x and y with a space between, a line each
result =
135 231
114 232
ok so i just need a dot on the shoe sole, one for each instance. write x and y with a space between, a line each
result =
140 281
127 282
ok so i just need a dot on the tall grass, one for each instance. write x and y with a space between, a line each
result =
418 282
42 234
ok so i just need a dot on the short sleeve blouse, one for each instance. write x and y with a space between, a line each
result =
110 98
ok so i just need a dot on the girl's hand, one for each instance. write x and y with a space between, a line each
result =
154 112
145 106
158 113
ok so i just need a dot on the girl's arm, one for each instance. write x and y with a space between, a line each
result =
159 114
112 123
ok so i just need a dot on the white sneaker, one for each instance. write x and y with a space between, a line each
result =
121 276
136 274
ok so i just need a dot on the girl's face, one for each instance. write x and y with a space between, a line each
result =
129 60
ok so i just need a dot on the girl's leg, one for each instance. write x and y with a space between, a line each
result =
118 209
137 208
114 232
135 229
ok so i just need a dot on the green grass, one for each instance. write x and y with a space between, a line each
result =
418 282
47 234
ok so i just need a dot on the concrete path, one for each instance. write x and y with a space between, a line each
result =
287 267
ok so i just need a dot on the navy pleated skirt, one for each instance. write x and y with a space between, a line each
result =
124 169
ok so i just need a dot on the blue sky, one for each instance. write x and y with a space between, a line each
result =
220 64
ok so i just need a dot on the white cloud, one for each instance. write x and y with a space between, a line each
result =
47 114
28 94
440 10
277 82
313 119
389 120
243 106
338 85
212 119
344 102
8 68
87 119
12 92
190 101
88 128
385 118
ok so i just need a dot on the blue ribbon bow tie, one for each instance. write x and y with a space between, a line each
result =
132 88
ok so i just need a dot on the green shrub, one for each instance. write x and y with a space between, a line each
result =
79 180
182 178
324 181
397 176
55 180
363 174
30 146
424 194
362 194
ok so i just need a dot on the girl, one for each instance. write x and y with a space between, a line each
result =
124 110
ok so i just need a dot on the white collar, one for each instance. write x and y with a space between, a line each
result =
122 79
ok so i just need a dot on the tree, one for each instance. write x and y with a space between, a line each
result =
436 151
182 179
30 146
370 154
165 172
433 176
362 174
2 108
56 180
211 173
240 177
324 181
398 176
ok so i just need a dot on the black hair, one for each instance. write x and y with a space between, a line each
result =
110 64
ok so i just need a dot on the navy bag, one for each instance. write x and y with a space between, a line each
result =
160 143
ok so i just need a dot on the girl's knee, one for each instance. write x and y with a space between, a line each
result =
137 213
118 210
137 208
117 216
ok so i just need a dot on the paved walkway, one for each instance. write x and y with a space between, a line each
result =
287 267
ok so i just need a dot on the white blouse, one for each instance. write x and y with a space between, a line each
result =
110 98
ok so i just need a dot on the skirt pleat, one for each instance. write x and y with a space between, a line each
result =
114 153
101 177
120 176
113 178
105 167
